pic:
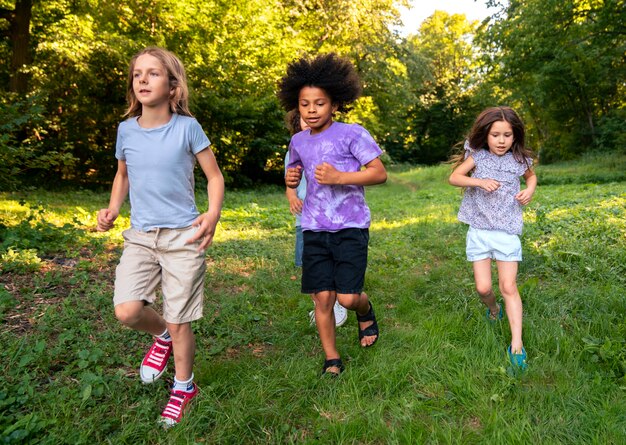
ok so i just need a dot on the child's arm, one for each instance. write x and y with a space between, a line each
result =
460 177
526 195
293 177
295 203
207 221
373 173
119 191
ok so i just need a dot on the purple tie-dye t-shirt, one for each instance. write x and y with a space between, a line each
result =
346 147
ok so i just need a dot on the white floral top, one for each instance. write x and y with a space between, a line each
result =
498 210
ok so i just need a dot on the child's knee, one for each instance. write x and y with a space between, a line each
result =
484 289
349 301
324 301
128 314
508 288
177 330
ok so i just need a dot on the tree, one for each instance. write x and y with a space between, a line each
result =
443 109
362 31
18 34
561 62
234 51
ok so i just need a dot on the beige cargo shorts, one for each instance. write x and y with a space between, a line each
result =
161 256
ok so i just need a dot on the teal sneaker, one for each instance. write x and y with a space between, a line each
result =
493 318
518 360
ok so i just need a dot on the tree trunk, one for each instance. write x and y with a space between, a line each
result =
19 31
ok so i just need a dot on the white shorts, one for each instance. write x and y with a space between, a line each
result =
494 244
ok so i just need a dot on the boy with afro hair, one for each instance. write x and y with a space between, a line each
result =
337 160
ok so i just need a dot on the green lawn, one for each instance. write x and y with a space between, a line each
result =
439 373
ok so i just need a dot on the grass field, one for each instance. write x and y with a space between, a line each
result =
68 369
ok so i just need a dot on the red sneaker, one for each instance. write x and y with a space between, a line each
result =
173 411
155 361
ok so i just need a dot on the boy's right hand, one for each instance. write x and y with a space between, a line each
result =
106 219
293 177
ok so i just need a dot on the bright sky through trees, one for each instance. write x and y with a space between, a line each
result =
422 9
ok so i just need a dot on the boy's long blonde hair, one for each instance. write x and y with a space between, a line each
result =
179 98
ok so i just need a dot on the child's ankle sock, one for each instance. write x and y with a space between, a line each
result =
186 385
165 336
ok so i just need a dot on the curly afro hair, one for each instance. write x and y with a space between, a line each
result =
333 74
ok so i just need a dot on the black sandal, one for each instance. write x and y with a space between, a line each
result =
333 362
372 329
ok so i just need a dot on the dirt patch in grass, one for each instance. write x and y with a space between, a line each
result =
474 424
24 314
34 293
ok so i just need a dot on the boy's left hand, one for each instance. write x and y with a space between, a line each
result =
327 174
206 229
524 197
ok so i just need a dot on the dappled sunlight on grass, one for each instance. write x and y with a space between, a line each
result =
241 266
14 212
11 211
427 218
223 234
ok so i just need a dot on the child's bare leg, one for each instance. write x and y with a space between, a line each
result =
361 304
325 321
136 315
184 345
352 302
507 277
482 278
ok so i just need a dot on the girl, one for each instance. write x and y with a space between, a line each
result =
157 148
296 198
335 218
492 206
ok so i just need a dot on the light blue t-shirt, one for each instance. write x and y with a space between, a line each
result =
347 147
160 163
300 190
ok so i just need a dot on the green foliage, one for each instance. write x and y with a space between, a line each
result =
30 235
561 64
610 353
442 111
22 128
386 66
81 51
611 131
20 261
6 300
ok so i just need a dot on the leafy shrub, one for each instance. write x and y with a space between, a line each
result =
20 137
20 261
610 353
612 131
22 243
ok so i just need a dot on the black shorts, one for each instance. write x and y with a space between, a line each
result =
334 261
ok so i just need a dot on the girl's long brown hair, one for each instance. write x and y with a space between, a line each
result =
179 99
477 137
